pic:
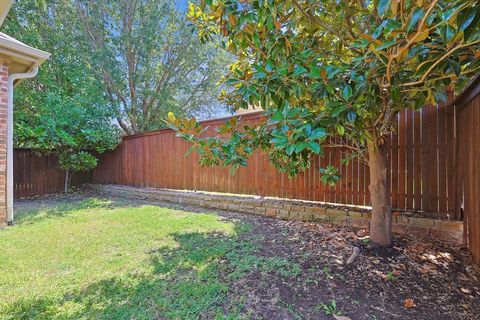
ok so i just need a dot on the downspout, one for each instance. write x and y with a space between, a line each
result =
11 78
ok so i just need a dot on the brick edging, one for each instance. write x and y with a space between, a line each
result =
296 210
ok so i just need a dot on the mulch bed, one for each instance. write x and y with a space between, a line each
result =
414 279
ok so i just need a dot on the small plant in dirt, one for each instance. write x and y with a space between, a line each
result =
390 277
329 309
326 272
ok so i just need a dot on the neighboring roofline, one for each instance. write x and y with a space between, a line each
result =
4 14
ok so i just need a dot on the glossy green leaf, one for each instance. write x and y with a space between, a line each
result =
347 92
383 6
318 133
259 75
315 147
299 70
314 73
386 45
466 19
351 116
417 15
340 129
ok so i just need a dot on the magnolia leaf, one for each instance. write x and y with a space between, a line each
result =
299 147
388 44
339 109
290 149
466 19
421 36
259 75
232 20
471 30
447 33
417 15
314 73
367 37
351 116
347 92
394 6
318 133
171 117
383 6
315 147
299 70
403 55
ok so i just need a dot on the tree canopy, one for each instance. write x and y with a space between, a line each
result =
114 64
63 110
329 71
150 61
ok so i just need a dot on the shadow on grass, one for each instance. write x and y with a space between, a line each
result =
37 210
188 281
181 283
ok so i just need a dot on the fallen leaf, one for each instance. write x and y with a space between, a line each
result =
464 290
408 303
341 317
362 233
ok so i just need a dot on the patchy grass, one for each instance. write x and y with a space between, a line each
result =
93 258
96 258
85 257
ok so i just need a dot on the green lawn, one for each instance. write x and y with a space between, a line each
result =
92 258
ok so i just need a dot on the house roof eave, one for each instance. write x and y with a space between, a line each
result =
5 6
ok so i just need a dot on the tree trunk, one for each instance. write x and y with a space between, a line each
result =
380 196
66 181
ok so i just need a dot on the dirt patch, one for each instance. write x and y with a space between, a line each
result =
440 280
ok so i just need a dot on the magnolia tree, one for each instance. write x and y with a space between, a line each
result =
328 70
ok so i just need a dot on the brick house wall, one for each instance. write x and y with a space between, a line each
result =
3 139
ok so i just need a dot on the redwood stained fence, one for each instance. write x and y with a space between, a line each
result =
468 165
421 157
35 175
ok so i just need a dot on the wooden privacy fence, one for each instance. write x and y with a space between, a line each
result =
421 158
34 175
468 165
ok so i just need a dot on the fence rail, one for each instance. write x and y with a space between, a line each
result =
421 158
35 175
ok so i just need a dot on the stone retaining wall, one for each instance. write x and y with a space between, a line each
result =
297 210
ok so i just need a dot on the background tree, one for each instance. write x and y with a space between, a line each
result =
333 71
150 61
64 109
